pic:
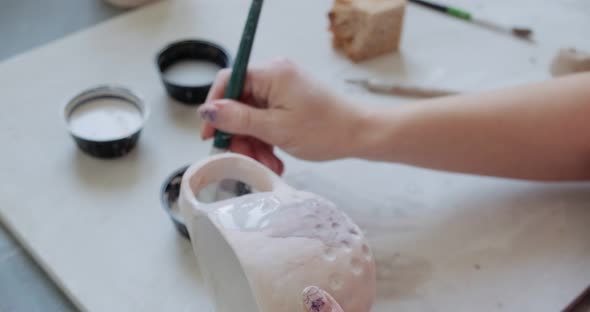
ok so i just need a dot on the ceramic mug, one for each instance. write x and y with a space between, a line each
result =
259 251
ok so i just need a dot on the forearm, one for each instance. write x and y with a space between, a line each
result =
539 131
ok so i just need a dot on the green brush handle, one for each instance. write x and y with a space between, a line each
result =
238 76
456 12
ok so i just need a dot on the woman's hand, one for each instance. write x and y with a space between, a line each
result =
317 300
281 106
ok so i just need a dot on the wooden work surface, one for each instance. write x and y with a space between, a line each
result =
443 242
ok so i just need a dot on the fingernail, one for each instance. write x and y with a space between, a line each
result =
208 114
276 165
315 300
266 160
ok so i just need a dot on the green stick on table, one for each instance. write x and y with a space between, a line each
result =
238 76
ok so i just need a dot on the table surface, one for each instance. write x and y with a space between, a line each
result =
7 248
26 24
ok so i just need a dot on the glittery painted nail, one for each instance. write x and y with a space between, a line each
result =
209 115
315 300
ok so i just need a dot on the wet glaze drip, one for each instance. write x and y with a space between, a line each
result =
302 216
253 214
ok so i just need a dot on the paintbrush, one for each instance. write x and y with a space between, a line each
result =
222 140
519 32
405 90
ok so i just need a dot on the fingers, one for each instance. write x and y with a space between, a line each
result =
242 145
317 300
219 85
281 168
216 92
256 92
236 118
265 155
258 150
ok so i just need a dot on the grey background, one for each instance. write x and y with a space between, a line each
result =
25 24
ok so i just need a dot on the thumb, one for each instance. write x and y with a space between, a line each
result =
317 300
235 117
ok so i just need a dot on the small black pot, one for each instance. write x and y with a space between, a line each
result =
112 147
169 195
190 50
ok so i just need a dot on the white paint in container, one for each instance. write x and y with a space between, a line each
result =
103 119
191 73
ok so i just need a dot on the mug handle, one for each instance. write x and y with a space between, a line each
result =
228 166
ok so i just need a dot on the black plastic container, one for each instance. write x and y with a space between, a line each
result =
113 146
169 197
187 50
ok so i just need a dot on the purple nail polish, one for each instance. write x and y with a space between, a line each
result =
317 305
314 299
209 115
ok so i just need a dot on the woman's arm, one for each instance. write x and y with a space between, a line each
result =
539 131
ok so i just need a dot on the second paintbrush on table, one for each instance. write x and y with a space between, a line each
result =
399 89
519 32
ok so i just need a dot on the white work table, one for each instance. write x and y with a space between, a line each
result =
442 241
